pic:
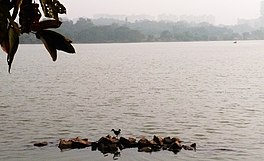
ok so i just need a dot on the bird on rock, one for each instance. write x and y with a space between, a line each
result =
116 132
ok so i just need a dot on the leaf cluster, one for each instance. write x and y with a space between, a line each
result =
29 22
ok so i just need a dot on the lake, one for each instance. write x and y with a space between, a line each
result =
210 93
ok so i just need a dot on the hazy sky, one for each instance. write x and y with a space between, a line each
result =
225 11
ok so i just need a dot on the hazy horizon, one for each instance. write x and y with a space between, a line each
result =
225 11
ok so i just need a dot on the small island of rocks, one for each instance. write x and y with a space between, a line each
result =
113 144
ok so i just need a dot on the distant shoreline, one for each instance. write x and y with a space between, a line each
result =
86 31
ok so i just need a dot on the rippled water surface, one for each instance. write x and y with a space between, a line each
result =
211 93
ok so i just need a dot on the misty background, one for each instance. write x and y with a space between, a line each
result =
225 11
112 28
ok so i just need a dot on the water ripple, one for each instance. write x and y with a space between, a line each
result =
207 92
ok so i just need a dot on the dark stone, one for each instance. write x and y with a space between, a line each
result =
103 148
175 147
108 144
78 143
75 143
108 140
174 139
145 149
193 146
94 146
110 148
104 140
175 151
41 144
158 140
143 142
154 146
167 140
113 148
65 144
133 142
111 144
121 146
186 147
127 143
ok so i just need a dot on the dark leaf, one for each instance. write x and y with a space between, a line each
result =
3 21
52 8
16 4
48 45
6 3
48 9
46 24
59 7
58 41
4 12
29 16
5 45
3 27
13 37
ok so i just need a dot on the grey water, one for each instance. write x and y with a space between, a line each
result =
210 93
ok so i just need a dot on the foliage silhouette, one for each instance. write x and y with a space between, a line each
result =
29 22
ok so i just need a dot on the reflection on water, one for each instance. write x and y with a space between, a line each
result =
210 93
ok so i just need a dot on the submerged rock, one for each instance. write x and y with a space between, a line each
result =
143 142
41 144
191 147
158 140
127 143
145 145
175 147
175 139
108 144
113 145
65 144
78 143
167 140
147 149
75 143
94 146
154 146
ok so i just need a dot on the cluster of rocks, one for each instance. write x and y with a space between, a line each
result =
111 144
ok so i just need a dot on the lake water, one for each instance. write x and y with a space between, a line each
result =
210 93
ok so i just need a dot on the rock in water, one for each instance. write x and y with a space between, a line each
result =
41 144
158 140
75 143
143 142
175 147
145 149
128 143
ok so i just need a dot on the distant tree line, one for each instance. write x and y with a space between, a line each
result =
88 31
